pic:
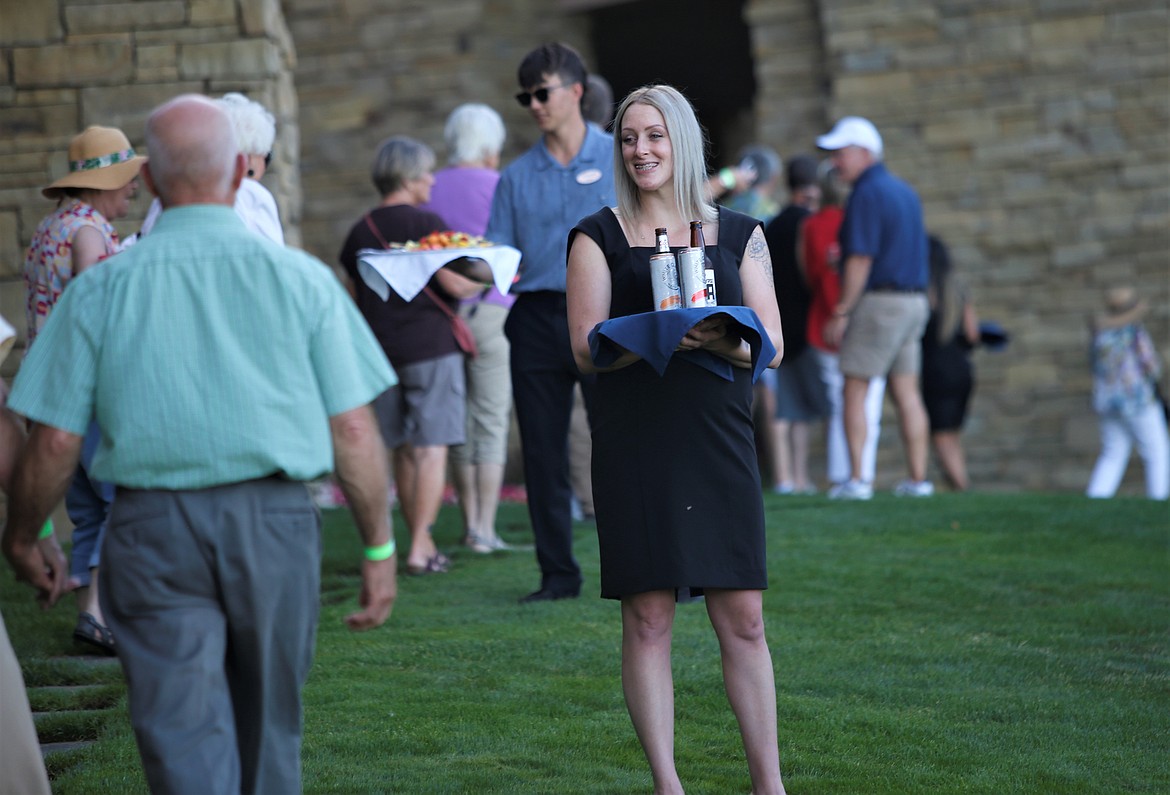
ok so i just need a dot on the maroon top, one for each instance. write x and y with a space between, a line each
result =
409 332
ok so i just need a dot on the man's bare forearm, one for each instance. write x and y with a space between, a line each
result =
43 472
360 468
41 477
854 275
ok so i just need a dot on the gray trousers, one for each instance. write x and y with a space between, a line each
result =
213 597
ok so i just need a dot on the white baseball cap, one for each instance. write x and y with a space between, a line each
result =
852 131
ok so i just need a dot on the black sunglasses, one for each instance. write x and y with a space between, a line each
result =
540 95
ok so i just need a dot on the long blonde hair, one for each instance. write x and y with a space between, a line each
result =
687 143
947 292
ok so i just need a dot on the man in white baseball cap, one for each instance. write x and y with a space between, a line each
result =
882 312
852 131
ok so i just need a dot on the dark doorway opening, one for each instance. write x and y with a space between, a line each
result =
701 47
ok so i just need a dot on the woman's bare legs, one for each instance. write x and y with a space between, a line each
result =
949 449
464 476
489 480
420 474
89 602
647 681
479 487
800 444
747 674
781 455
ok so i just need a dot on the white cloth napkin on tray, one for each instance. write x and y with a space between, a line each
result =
407 272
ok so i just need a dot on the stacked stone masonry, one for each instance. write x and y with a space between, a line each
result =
1035 131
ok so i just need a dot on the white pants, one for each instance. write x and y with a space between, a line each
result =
836 448
1146 430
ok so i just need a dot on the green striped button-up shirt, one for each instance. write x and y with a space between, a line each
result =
208 356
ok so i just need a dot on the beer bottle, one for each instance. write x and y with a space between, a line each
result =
697 236
698 242
661 246
708 267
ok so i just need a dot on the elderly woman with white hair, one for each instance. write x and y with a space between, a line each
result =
255 130
462 194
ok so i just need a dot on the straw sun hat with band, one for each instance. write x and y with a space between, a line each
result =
101 158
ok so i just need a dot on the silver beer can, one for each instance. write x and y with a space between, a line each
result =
664 282
692 277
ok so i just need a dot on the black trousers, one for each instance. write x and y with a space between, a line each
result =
543 377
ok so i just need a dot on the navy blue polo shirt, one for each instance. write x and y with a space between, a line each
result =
883 220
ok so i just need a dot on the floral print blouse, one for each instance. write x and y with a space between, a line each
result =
1124 369
48 266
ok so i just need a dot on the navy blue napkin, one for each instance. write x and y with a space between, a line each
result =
993 336
655 335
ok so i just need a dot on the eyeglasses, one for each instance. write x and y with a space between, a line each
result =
540 95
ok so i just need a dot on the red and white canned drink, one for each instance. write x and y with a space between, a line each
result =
692 277
664 282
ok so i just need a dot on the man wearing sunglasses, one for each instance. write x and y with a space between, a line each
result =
565 176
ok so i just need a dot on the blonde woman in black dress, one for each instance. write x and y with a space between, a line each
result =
675 481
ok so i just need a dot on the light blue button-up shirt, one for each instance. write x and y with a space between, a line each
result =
538 201
208 355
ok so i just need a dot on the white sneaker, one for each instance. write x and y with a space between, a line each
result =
914 488
851 490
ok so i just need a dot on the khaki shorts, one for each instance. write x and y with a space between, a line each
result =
884 336
489 389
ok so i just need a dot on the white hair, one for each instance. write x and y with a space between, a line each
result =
473 133
254 126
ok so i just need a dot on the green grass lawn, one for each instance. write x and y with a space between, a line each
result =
962 644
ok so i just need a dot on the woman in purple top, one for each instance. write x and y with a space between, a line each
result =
462 195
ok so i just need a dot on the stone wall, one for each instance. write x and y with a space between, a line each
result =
369 69
1035 130
67 64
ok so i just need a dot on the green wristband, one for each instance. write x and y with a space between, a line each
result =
47 530
377 554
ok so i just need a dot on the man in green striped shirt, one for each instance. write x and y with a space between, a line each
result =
223 370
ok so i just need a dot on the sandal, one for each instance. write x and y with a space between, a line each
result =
436 564
486 546
89 631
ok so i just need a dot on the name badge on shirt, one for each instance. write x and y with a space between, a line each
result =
589 176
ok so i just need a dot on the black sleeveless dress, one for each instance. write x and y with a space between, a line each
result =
676 486
947 376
